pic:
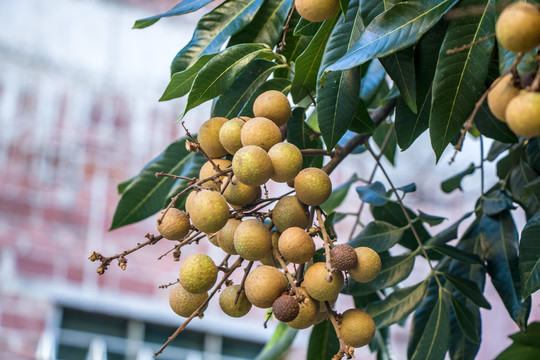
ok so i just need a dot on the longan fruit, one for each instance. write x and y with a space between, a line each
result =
225 236
198 273
229 134
175 224
226 302
252 165
208 170
313 186
261 132
265 284
286 160
368 266
208 137
239 194
317 286
500 95
357 328
309 309
184 303
252 239
523 114
296 246
518 27
273 105
208 211
289 212
317 10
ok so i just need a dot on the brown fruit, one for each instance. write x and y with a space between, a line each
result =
252 240
209 211
296 246
368 267
309 310
285 308
175 225
317 286
273 105
286 160
229 134
357 328
317 10
239 194
226 302
343 257
518 27
209 137
269 258
198 273
523 114
252 165
185 303
261 132
500 95
208 170
289 212
526 79
264 285
312 186
225 236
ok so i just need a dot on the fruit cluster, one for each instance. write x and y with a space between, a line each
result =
226 207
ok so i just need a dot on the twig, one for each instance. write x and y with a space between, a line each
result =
281 45
246 272
176 177
193 237
169 284
317 152
344 349
277 255
327 242
469 45
265 324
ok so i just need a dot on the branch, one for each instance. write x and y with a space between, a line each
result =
327 242
246 272
344 349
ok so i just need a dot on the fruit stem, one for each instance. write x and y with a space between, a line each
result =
290 278
246 272
199 147
327 242
344 349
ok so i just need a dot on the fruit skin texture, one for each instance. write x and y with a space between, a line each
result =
269 258
252 240
208 170
500 95
317 286
368 267
229 134
296 245
264 285
189 199
208 137
312 186
226 302
261 132
518 27
198 273
238 193
185 303
209 211
225 236
273 105
289 212
286 160
523 114
343 257
317 10
175 225
309 309
285 308
252 165
357 328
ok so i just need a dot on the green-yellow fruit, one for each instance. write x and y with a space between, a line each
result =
273 105
269 259
296 245
189 200
286 160
175 225
213 239
208 170
500 95
185 303
518 27
264 285
239 194
225 236
252 165
261 132
312 186
208 211
198 273
229 134
309 310
317 286
226 302
523 114
357 328
209 137
368 266
317 10
252 240
289 212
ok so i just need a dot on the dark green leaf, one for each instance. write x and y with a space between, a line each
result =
492 127
530 337
409 188
497 148
448 234
521 176
372 81
454 182
400 68
374 194
526 345
378 235
457 254
529 257
430 219
338 195
495 202
282 85
280 342
508 163
123 186
323 342
380 135
531 188
372 8
533 153
469 289
186 6
361 122
306 27
506 58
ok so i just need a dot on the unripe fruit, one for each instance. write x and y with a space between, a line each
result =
357 328
189 200
174 225
317 286
226 302
208 137
269 258
273 105
500 95
229 134
225 236
286 160
523 114
518 27
296 245
289 212
252 165
198 273
252 239
312 186
264 285
343 257
208 170
368 267
213 239
209 211
309 310
285 308
239 194
317 10
185 303
261 132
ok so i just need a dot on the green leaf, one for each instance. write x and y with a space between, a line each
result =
521 176
372 81
457 254
379 136
410 188
280 342
448 234
466 320
533 153
468 289
120 188
282 85
493 128
338 195
306 27
400 68
374 194
497 148
378 235
214 29
372 8
454 182
460 76
397 28
495 202
430 219
323 342
529 257
531 188
530 337
186 6
526 346
299 134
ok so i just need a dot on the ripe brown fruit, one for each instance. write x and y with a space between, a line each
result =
209 137
239 194
317 286
229 134
357 328
208 170
269 258
261 132
343 257
296 246
289 212
518 27
273 105
226 302
368 267
523 114
309 309
185 303
174 225
252 165
317 10
500 95
312 186
264 285
225 236
198 273
208 211
286 160
285 308
252 240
